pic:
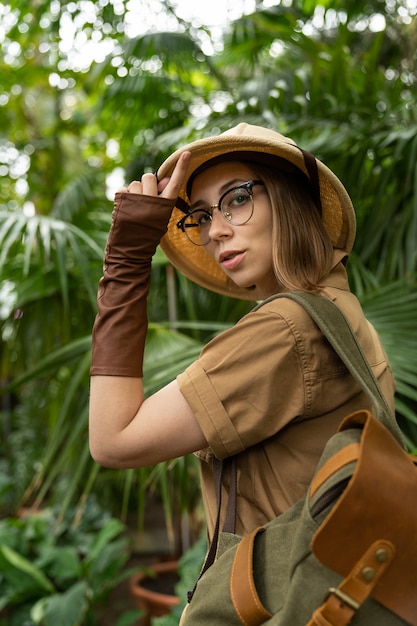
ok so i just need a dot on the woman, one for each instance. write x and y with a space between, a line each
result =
249 214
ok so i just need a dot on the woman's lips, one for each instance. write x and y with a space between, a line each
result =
230 260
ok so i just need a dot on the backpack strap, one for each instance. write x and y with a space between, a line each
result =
344 456
245 598
229 524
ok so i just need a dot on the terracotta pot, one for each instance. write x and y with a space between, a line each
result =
155 594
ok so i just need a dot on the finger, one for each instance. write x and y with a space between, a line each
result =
135 187
149 185
162 184
177 178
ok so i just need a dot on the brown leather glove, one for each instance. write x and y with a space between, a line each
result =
119 333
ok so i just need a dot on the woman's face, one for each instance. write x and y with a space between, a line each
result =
243 252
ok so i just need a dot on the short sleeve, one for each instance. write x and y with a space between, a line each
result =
249 382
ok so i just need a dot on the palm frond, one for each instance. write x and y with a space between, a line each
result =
391 309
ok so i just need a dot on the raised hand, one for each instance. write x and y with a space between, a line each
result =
167 187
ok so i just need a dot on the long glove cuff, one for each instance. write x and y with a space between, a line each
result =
121 324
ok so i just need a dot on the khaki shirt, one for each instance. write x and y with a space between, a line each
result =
272 391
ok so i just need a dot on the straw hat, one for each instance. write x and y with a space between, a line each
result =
247 142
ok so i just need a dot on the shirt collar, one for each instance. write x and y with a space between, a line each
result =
337 278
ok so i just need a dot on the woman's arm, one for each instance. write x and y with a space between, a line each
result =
128 431
125 430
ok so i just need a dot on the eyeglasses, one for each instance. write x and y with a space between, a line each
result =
235 205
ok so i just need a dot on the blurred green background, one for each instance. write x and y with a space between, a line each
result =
92 94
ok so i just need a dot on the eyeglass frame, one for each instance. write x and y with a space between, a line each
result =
248 186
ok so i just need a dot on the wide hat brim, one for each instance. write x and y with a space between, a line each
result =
338 215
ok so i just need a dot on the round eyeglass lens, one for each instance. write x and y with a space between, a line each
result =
197 227
237 206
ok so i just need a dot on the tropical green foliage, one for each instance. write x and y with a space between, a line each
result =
338 76
54 571
189 568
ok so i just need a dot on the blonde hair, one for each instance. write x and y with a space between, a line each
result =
302 249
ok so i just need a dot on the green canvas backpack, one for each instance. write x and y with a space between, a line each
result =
347 552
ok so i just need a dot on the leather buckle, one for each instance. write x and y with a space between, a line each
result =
343 597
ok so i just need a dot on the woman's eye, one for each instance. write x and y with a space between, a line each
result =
204 218
240 197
